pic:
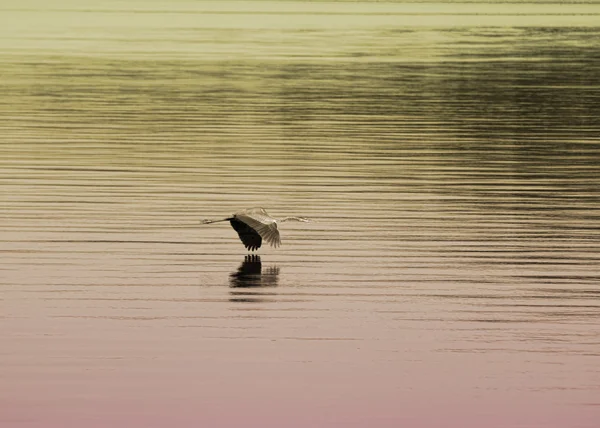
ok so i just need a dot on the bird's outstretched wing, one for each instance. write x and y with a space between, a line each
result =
251 240
262 223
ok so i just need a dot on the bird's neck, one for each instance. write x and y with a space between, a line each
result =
293 219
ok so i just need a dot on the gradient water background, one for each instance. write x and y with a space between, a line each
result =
448 153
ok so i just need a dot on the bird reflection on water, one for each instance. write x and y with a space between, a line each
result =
249 281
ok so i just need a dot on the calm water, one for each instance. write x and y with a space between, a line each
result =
448 154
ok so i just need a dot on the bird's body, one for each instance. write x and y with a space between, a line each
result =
255 224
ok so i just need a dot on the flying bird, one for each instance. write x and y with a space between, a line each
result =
255 224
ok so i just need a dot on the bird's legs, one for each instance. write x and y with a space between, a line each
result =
215 221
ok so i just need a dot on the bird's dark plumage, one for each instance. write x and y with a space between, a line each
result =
250 238
254 224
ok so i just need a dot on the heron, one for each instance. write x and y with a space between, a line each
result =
255 224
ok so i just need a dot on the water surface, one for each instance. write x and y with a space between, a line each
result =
448 154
